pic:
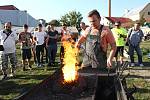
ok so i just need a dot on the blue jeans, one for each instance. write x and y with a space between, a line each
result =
52 50
138 51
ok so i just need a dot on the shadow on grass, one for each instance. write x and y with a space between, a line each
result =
52 68
9 87
19 84
46 68
29 77
43 68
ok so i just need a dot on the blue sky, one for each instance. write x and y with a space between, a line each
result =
54 9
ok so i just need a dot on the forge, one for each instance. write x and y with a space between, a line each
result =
90 85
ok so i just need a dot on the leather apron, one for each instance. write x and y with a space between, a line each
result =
94 55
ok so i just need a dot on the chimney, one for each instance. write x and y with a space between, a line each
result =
109 8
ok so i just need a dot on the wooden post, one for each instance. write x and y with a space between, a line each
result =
109 8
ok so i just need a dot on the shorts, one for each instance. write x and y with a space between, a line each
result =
120 51
26 54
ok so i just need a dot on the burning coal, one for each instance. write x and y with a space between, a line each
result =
69 69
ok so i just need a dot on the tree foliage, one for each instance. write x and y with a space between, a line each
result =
72 18
55 22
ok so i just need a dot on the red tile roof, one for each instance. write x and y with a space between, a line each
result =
8 7
121 19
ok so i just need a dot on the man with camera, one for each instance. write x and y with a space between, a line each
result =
8 40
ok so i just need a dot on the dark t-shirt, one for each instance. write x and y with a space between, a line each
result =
52 34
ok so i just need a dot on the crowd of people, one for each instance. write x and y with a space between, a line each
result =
94 38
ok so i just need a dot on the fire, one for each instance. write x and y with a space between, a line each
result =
69 69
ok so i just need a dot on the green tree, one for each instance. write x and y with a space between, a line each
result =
72 18
55 22
64 19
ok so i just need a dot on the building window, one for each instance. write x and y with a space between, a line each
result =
149 13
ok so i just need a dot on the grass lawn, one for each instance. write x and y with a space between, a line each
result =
25 80
143 88
22 82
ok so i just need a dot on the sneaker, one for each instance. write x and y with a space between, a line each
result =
53 64
35 63
30 67
132 64
42 65
49 64
148 55
12 75
24 69
39 65
141 65
4 77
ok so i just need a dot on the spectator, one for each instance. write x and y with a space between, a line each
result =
8 39
34 46
135 36
39 38
120 35
83 27
25 38
65 36
52 44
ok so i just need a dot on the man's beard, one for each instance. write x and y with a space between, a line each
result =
8 30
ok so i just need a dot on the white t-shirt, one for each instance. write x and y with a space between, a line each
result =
40 37
10 43
82 32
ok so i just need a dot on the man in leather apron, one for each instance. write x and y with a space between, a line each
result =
97 38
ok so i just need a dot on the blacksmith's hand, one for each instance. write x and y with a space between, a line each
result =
23 41
77 45
109 63
46 45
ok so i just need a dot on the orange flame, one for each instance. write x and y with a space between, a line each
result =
69 69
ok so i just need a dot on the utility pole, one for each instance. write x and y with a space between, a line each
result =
109 8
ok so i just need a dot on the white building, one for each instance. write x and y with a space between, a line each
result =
105 21
137 13
9 13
